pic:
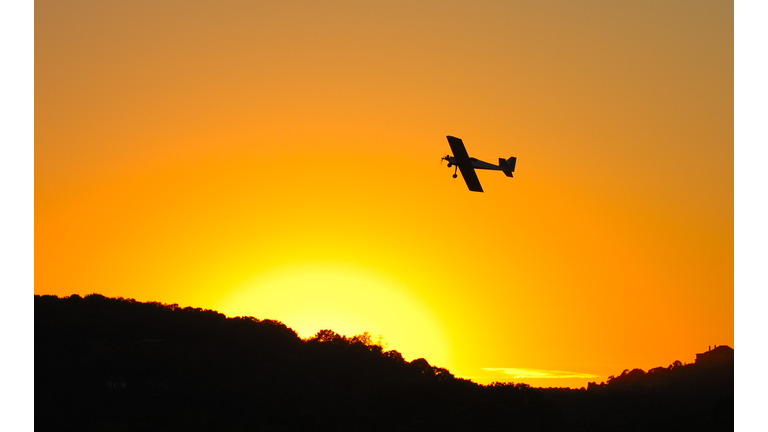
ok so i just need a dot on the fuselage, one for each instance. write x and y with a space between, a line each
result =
478 164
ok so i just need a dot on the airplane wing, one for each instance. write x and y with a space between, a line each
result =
464 164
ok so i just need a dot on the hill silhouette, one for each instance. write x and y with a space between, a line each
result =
106 364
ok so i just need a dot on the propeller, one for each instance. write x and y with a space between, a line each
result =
448 157
455 167
445 158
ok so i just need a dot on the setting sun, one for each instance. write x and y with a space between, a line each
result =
347 300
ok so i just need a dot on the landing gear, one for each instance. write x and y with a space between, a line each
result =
455 167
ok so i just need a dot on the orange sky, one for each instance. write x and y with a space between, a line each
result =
281 160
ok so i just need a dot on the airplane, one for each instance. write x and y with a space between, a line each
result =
467 165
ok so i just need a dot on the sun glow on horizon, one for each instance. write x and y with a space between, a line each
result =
525 373
347 300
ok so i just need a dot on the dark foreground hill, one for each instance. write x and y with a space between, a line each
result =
106 364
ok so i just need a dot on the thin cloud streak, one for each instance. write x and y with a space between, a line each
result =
520 373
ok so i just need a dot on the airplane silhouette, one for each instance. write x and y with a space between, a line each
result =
467 165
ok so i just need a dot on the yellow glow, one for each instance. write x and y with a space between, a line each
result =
347 300
522 373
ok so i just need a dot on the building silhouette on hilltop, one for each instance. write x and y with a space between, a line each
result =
721 354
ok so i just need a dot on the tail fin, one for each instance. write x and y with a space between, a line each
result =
508 166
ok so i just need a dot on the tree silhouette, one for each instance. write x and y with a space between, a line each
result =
118 364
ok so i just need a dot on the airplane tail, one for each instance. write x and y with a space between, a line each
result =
508 166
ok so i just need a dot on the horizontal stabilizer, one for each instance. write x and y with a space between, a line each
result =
508 166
